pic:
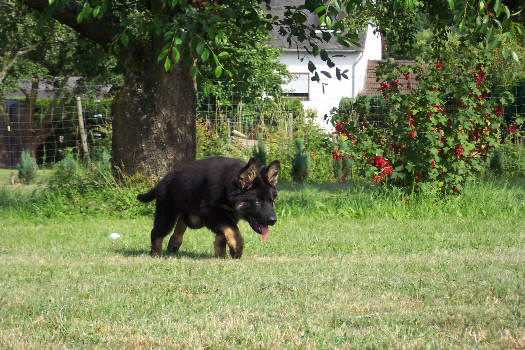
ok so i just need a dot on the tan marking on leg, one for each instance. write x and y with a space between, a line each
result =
177 236
156 247
235 241
220 246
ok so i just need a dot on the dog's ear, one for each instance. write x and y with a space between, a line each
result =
271 172
248 174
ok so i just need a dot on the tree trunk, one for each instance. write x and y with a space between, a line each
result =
154 120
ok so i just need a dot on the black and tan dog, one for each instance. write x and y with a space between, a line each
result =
215 192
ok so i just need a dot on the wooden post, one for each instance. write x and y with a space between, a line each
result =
83 136
228 129
290 127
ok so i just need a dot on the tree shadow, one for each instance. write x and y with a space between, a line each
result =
179 254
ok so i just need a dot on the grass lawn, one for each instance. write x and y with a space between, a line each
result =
447 274
42 176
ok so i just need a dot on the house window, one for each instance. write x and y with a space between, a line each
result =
298 86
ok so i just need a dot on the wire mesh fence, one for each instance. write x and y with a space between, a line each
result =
49 127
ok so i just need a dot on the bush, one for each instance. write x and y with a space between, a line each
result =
300 162
342 163
259 153
438 135
508 161
27 168
66 169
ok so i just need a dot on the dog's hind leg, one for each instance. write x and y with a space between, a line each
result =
162 225
177 236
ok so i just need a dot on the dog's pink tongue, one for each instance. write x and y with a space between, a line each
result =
264 231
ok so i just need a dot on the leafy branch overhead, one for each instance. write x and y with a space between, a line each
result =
202 33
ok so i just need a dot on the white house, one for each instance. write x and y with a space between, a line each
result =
324 95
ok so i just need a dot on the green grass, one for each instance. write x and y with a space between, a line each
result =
344 267
42 176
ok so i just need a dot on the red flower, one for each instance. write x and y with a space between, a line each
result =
412 133
433 163
422 69
438 64
459 150
384 86
512 127
338 126
388 170
498 110
379 162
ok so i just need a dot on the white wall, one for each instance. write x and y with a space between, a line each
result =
326 94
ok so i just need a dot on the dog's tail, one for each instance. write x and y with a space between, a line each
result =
147 197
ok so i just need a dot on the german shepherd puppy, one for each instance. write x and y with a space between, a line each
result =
215 192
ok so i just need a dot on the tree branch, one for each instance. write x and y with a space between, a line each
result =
100 31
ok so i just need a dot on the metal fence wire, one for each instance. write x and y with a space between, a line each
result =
48 127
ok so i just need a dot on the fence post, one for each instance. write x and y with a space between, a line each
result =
228 129
83 136
290 126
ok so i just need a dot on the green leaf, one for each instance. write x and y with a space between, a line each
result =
327 74
218 71
319 9
163 53
462 26
505 52
205 55
328 22
451 4
515 57
124 39
200 47
96 10
497 7
311 66
167 64
194 71
176 54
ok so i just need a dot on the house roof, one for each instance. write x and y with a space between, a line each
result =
373 84
47 88
279 7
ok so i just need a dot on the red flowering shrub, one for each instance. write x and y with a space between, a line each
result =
437 134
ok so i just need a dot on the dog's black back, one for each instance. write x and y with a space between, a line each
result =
215 192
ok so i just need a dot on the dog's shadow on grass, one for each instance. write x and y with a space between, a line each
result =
179 254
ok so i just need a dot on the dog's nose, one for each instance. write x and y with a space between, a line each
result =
272 220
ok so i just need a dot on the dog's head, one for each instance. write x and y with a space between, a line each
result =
255 194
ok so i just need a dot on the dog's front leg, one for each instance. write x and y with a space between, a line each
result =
220 245
234 240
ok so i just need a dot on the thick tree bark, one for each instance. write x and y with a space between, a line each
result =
154 120
154 113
